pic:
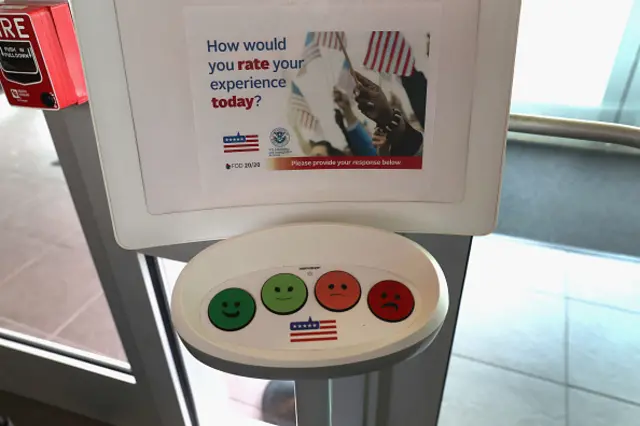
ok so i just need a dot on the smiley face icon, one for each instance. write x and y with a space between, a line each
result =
391 301
338 291
231 309
284 294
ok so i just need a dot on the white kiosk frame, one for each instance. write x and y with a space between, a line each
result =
136 228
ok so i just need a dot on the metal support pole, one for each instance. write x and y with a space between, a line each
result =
415 387
313 402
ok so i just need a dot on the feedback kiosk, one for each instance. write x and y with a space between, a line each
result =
309 300
304 135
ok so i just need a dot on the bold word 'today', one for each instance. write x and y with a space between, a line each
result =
233 102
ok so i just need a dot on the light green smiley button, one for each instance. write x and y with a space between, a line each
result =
284 294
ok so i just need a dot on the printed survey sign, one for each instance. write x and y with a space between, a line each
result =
347 99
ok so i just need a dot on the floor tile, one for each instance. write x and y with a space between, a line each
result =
17 251
604 350
21 328
586 409
603 280
244 410
49 217
480 395
94 328
16 191
522 330
75 240
502 262
209 390
27 147
245 389
48 292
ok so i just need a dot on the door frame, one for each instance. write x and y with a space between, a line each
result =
630 109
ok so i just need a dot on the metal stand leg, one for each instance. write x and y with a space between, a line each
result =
417 385
313 402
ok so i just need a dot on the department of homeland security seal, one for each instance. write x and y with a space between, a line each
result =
279 137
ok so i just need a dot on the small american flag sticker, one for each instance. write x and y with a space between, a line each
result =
241 143
313 331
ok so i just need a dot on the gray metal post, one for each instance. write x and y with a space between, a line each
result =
415 387
126 285
313 402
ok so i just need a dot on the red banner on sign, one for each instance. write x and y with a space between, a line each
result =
346 163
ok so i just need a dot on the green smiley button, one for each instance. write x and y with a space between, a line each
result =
232 309
284 294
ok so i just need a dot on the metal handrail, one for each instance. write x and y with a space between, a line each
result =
616 134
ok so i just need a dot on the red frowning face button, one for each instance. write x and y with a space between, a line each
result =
391 301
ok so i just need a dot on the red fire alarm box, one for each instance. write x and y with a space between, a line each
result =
39 56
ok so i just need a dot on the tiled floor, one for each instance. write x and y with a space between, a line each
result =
545 337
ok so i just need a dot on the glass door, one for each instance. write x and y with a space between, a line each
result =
78 329
546 333
630 111
116 354
575 58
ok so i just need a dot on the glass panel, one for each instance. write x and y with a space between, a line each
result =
49 288
547 332
550 313
630 113
574 57
226 398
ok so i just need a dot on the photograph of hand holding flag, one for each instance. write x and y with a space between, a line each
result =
379 94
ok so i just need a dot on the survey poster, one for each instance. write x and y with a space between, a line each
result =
317 92
316 99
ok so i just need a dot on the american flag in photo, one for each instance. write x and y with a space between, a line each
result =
241 143
302 111
346 82
310 53
329 39
313 331
389 52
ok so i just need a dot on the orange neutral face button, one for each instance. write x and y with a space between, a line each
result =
338 291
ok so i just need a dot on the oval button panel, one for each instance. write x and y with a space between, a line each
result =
349 305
